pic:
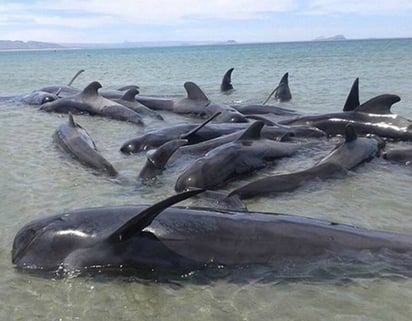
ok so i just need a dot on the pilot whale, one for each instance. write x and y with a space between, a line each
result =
244 155
197 103
283 92
164 239
75 140
157 159
158 137
346 156
128 100
372 117
51 93
226 85
180 149
91 102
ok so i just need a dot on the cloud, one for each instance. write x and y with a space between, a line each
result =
144 16
243 20
358 7
41 34
77 23
168 11
43 21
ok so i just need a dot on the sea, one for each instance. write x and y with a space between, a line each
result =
37 179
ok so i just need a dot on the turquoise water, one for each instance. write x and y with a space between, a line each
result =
38 180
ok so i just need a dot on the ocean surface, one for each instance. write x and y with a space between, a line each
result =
37 179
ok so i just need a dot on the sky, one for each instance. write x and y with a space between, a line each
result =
117 21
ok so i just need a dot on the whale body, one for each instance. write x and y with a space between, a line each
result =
165 239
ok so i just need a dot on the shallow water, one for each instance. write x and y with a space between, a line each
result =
38 180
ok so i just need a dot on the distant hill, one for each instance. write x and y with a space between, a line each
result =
38 45
333 38
18 44
141 44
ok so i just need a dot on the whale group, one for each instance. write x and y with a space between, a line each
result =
217 145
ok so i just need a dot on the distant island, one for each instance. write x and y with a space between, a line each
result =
39 45
20 45
333 38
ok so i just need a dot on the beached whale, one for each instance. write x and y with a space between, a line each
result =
364 120
346 156
156 138
38 97
246 154
197 103
91 102
75 140
257 109
372 117
128 99
177 149
51 93
157 159
161 240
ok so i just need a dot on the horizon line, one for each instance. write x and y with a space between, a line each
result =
175 43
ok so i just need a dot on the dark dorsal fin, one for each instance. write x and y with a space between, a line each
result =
227 81
143 219
161 155
196 129
194 92
379 105
352 101
253 131
157 159
284 80
350 133
75 76
71 121
92 88
130 94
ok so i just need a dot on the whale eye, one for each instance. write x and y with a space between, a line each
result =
128 149
238 119
48 99
233 116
